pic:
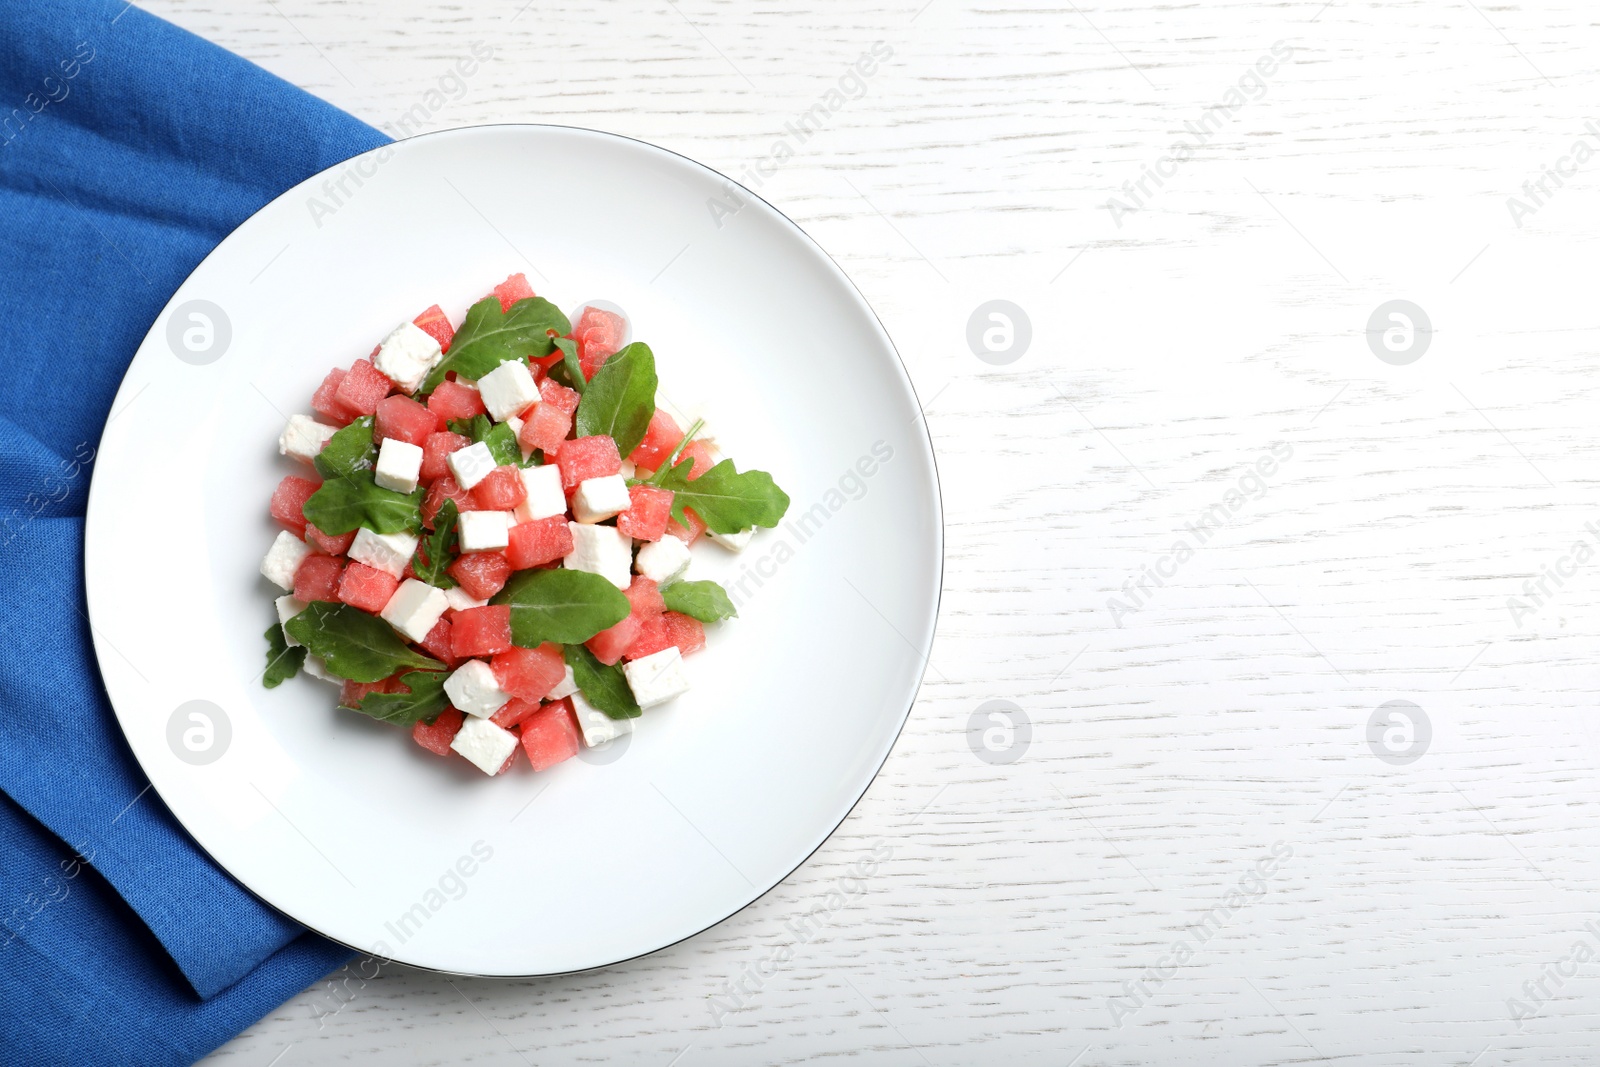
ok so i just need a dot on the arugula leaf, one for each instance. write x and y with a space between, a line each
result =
425 700
283 662
355 645
703 600
348 451
683 442
567 607
725 500
463 426
434 553
502 443
488 337
354 500
604 687
569 372
621 398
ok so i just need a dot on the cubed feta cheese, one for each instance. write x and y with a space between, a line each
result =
628 470
304 437
597 726
414 608
399 465
484 531
471 465
288 608
545 495
597 499
461 600
384 552
734 542
663 560
656 678
564 688
473 689
599 550
407 355
485 745
508 389
315 667
283 559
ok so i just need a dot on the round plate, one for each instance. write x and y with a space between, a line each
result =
342 822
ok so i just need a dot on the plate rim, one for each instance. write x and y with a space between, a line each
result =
937 500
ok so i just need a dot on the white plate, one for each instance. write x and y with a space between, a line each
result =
343 823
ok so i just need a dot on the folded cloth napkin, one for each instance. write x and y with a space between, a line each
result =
128 149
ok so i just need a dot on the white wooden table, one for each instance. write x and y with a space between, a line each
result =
1199 857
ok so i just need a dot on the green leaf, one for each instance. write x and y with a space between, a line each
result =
425 700
464 427
569 372
354 500
348 451
435 552
489 337
725 500
355 645
620 398
604 687
501 441
283 662
567 607
683 442
703 600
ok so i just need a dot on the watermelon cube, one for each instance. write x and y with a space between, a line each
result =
550 735
687 534
317 578
437 644
533 544
481 574
513 712
511 290
362 387
644 597
437 735
405 420
598 334
558 396
325 400
529 673
366 587
703 453
482 631
446 488
649 509
667 630
452 400
545 427
436 453
660 438
289 499
587 457
500 490
436 324
333 546
608 645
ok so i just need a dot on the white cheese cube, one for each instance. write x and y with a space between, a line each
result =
628 470
564 688
508 389
288 608
283 559
484 531
315 667
516 428
472 688
304 437
461 600
471 465
485 745
399 465
600 550
734 542
414 608
598 499
597 726
545 495
407 355
384 552
663 560
656 678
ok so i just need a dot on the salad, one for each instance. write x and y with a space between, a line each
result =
487 539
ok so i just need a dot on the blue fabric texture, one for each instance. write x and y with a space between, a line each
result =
130 150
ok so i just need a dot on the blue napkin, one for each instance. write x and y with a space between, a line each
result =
131 149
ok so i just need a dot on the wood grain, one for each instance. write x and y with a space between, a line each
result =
1174 745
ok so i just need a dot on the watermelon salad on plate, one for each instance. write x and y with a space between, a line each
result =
487 537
